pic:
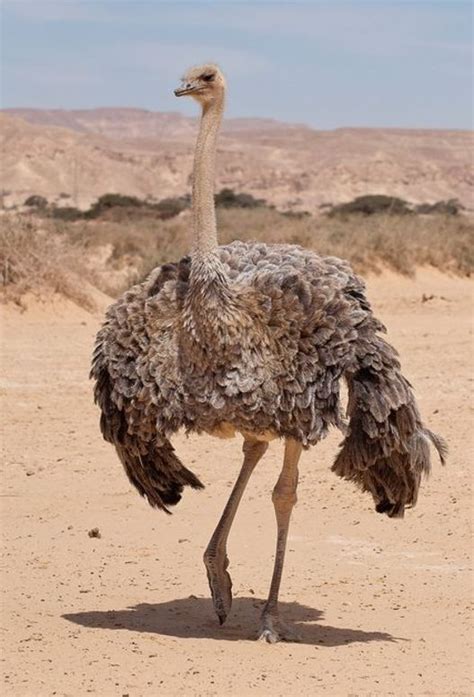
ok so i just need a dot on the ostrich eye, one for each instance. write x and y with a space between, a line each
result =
208 78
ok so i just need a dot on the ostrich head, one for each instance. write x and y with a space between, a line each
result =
205 83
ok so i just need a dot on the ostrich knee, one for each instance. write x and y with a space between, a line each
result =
284 497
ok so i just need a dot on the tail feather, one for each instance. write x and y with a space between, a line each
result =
386 450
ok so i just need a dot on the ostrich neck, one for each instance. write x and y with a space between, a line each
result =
204 214
210 302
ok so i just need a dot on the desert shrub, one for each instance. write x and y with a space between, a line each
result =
372 204
227 198
36 201
108 202
170 207
35 259
450 207
296 215
126 208
134 247
401 243
118 200
66 213
38 253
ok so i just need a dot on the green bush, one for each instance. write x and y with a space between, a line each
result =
67 213
110 201
296 215
372 204
450 207
227 198
36 201
170 207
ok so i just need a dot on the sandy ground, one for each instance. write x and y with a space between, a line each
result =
381 605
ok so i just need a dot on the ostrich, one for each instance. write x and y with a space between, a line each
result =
253 339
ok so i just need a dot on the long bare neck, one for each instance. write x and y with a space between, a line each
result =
204 214
210 299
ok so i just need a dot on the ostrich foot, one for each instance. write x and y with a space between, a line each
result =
272 629
220 583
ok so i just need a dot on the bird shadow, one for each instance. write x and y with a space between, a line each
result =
194 617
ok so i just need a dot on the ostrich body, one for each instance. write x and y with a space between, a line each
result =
253 339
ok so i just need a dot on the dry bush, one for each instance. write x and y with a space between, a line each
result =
113 255
34 258
133 247
400 243
369 244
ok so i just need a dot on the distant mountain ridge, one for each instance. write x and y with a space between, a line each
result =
85 153
130 122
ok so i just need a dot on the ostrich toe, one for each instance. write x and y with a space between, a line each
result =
272 630
220 584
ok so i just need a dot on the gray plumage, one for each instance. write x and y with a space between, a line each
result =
279 328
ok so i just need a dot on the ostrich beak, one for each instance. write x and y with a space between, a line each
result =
187 88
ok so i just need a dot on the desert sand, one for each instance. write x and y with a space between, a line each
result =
381 605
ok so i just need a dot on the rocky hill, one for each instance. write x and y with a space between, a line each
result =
83 154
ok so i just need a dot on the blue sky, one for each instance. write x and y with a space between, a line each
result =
328 64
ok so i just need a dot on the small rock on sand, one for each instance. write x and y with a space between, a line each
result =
94 532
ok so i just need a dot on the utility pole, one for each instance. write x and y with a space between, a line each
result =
75 191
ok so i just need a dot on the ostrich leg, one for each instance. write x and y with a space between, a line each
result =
215 556
284 498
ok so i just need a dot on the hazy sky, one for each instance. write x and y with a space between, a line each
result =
328 64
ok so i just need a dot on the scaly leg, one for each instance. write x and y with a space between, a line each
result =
215 556
284 498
